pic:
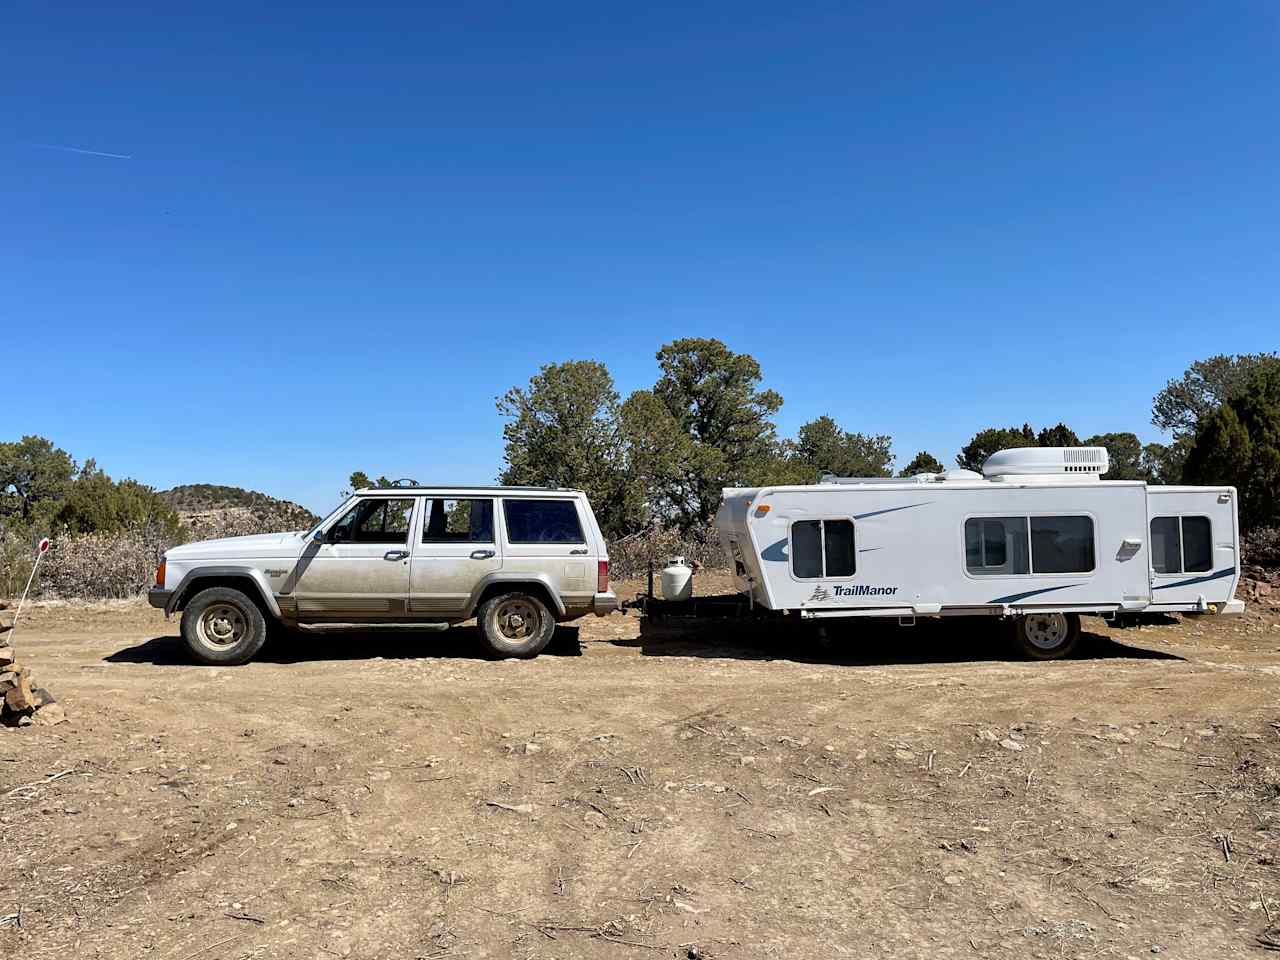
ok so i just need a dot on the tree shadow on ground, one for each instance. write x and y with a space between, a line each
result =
861 641
311 644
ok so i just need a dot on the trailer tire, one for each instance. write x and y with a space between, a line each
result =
516 624
1046 636
223 627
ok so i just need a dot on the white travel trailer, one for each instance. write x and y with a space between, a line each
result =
1038 537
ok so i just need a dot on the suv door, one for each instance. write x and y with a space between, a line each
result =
454 547
361 570
549 536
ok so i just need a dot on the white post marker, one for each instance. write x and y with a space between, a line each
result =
40 552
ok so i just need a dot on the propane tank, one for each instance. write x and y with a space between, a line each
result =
677 580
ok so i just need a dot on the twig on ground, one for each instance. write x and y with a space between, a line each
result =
211 946
40 783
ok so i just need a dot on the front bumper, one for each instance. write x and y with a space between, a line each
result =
159 598
604 604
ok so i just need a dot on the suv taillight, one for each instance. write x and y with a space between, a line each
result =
160 574
602 583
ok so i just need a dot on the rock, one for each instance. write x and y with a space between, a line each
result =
904 754
987 735
532 748
7 656
19 696
1013 745
593 818
49 715
25 720
953 879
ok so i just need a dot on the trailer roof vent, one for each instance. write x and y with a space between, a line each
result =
1085 463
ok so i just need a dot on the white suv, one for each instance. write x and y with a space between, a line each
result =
519 559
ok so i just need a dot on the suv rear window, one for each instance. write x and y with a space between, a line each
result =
542 521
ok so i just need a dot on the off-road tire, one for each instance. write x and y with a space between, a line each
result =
223 627
504 636
1046 636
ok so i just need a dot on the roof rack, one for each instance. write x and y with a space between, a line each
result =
414 485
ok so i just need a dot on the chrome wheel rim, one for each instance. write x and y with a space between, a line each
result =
1046 631
222 625
516 619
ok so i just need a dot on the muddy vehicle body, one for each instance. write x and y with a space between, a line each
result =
518 559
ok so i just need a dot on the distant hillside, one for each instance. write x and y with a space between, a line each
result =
210 509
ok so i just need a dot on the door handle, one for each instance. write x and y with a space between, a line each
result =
481 554
395 555
577 553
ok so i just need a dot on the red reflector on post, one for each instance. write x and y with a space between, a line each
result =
602 584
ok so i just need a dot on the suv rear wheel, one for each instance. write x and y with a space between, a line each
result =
223 626
516 625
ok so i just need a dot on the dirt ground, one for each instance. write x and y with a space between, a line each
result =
644 790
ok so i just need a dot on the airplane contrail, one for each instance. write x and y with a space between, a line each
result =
87 153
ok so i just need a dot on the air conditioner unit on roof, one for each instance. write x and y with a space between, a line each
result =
1085 462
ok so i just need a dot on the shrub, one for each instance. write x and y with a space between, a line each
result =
1261 547
629 557
96 566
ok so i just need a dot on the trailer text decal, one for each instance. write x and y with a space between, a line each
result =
851 590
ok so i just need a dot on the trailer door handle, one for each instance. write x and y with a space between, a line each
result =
577 553
481 554
395 554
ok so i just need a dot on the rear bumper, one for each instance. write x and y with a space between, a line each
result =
1232 608
159 598
604 604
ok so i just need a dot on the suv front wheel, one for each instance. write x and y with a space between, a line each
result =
515 625
223 627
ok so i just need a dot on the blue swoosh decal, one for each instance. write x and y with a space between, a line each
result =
777 552
1015 597
1230 572
876 513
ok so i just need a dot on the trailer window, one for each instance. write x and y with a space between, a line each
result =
1062 544
1197 545
822 548
1181 544
837 537
996 546
1166 545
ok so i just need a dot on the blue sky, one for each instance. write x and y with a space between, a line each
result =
342 231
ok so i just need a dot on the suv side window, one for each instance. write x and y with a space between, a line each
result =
542 521
375 520
457 521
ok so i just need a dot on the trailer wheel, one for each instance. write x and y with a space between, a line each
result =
1046 636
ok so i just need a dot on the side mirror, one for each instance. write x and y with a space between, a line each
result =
317 537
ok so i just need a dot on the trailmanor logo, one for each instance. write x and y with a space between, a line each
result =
821 592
